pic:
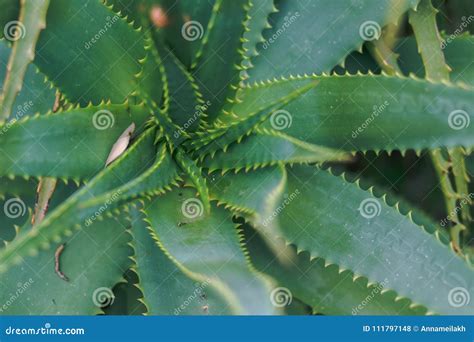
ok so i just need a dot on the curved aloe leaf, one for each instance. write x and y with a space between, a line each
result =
31 22
372 239
71 144
33 286
166 289
107 53
36 95
269 147
324 287
218 62
208 248
314 36
373 112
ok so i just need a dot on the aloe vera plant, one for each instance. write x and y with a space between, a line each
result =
217 157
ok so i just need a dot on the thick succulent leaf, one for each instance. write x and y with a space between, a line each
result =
458 52
31 21
218 63
372 239
71 144
71 214
327 290
33 287
36 95
373 112
95 55
208 248
166 289
292 47
269 147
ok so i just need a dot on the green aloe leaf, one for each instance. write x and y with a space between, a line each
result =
166 289
108 40
33 287
367 112
218 63
208 248
372 239
323 286
31 21
71 144
269 147
36 95
314 36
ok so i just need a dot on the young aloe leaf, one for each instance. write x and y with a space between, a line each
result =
208 248
31 22
324 287
218 63
91 65
36 95
166 289
76 142
258 14
372 239
269 147
314 36
37 288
